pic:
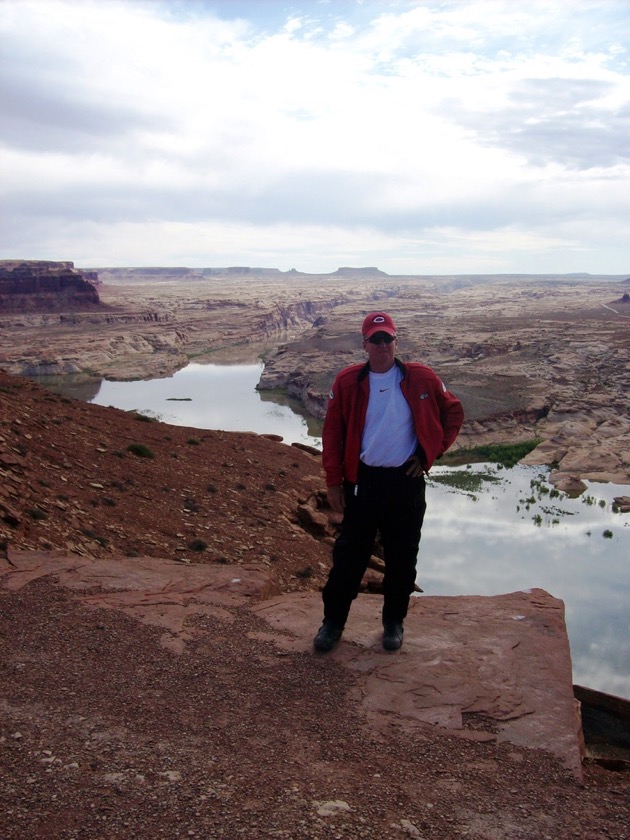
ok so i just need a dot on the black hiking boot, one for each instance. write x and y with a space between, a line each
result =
393 635
327 636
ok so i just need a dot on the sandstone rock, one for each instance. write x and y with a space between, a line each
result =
567 483
313 520
10 515
27 286
152 590
306 448
495 668
582 461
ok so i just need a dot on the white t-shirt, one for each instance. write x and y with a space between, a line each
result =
389 438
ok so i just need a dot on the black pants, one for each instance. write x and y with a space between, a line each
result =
388 501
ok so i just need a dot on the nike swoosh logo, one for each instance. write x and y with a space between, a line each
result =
383 389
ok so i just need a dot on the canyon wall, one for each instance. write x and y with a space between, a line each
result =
41 285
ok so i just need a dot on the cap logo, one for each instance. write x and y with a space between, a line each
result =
378 320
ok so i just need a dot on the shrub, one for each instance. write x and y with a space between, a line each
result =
91 535
197 545
140 450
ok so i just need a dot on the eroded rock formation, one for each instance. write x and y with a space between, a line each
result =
40 285
543 358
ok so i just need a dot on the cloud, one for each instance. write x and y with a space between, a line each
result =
468 126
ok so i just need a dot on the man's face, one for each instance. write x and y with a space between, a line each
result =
381 349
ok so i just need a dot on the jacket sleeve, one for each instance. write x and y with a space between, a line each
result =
451 416
333 437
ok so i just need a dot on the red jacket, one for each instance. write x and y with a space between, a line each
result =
437 415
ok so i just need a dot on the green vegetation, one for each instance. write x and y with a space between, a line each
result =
145 418
468 482
591 500
607 535
504 454
140 450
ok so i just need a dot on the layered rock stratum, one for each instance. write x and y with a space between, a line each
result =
28 286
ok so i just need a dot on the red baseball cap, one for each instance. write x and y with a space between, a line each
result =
378 322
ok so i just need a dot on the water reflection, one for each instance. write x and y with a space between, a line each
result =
509 532
71 385
210 397
512 536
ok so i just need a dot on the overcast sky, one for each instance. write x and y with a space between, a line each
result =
420 137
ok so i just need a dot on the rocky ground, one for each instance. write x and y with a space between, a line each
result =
107 734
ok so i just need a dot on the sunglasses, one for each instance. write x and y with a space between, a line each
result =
381 338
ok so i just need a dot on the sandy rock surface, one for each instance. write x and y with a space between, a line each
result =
107 732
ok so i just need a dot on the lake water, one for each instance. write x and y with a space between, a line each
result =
510 533
214 397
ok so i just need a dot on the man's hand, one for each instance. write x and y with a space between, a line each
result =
335 498
415 469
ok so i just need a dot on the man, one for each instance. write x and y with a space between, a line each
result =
385 425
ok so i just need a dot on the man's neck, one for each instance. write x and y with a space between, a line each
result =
381 369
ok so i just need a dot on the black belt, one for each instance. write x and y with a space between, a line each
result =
366 469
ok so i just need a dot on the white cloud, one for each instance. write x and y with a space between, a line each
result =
471 126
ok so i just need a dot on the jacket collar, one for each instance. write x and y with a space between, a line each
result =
366 369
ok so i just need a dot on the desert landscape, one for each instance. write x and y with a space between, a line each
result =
531 357
199 710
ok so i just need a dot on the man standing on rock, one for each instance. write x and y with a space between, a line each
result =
385 425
